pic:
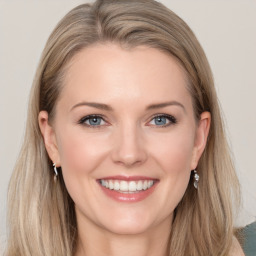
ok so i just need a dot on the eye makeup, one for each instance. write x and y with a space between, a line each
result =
93 121
162 120
158 121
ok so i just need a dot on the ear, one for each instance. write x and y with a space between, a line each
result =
202 132
49 137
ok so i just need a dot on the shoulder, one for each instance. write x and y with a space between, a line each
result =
236 249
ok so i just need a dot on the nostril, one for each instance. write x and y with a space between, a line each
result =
128 148
129 159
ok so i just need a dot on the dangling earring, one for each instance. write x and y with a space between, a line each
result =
56 172
196 179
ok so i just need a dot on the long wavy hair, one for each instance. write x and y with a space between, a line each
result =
41 213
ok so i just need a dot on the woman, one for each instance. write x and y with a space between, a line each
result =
124 152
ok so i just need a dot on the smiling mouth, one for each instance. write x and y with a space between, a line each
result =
127 187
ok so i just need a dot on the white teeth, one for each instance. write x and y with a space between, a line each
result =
116 185
145 185
110 184
132 186
127 186
124 186
139 185
150 183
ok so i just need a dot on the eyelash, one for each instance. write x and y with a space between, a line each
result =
86 118
172 120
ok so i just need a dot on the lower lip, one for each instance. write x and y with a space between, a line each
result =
128 197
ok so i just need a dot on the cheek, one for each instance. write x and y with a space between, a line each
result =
80 152
174 152
174 158
80 155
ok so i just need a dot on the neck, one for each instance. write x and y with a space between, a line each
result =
101 242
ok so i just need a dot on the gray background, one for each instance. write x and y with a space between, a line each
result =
227 32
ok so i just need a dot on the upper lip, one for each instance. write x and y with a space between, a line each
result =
127 178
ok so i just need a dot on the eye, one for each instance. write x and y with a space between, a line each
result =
92 120
163 120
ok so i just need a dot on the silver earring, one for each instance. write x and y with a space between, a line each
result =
196 179
56 171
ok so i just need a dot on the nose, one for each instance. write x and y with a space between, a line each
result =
129 148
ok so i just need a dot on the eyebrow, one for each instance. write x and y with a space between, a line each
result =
94 105
108 108
166 104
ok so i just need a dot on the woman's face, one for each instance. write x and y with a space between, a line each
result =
125 137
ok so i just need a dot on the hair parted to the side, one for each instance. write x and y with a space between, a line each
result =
41 214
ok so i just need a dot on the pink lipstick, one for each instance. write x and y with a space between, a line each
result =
128 189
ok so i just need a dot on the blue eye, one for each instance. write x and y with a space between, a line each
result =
92 120
163 120
160 120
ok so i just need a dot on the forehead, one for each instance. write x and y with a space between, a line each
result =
109 73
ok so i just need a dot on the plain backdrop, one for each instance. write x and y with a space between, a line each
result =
227 32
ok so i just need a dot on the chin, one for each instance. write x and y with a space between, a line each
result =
129 224
127 228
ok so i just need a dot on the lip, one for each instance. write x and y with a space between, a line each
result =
127 178
128 197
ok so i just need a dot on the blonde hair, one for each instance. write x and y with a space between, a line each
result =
41 214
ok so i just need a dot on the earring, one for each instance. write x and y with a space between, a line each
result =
196 179
56 172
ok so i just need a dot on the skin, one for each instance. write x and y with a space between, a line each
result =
128 142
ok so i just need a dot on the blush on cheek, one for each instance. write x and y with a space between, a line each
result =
81 153
76 164
176 158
